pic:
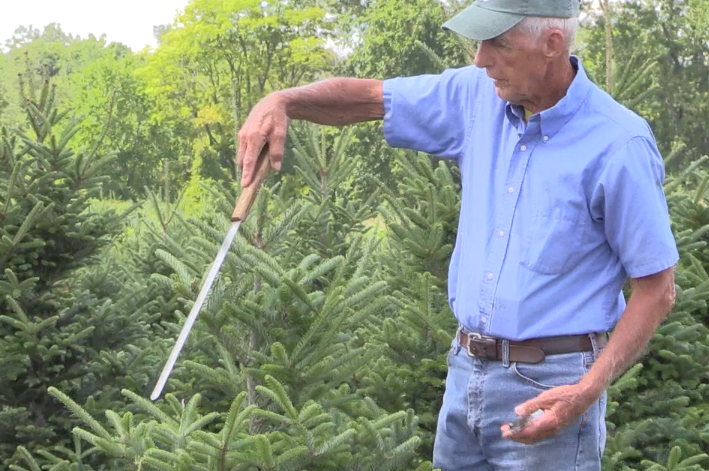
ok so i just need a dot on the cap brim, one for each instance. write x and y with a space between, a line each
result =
479 24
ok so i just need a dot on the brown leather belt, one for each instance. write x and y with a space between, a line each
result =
527 351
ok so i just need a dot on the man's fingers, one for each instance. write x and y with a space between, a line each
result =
543 401
538 429
242 150
253 150
276 148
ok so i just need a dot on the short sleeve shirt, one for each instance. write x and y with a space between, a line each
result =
556 212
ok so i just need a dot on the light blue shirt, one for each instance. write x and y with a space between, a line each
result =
555 214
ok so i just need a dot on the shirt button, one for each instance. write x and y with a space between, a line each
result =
546 138
489 276
523 148
510 190
484 319
502 233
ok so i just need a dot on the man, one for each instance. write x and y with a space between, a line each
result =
561 201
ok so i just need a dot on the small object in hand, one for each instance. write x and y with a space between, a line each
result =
520 424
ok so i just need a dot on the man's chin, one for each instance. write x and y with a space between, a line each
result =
503 93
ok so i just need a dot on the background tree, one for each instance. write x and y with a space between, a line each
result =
59 311
323 344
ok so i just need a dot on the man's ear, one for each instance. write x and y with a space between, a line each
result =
553 43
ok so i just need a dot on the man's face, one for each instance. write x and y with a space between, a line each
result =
517 64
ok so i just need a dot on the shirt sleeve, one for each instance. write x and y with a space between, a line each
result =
431 113
630 200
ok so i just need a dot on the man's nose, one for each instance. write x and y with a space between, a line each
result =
482 56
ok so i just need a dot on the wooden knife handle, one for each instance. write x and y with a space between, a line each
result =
248 194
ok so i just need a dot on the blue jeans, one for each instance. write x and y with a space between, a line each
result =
481 395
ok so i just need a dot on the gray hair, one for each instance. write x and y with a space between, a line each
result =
537 25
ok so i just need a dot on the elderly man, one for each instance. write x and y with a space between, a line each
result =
561 201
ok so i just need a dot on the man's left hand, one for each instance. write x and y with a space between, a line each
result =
561 406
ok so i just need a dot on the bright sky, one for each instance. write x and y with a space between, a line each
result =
128 21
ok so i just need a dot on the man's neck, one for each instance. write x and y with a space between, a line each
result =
556 83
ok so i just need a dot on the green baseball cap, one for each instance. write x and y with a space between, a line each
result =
486 19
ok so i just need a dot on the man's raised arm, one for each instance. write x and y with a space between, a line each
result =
333 102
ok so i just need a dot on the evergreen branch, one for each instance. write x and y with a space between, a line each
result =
292 458
99 165
313 331
74 338
309 178
208 438
254 256
282 396
201 422
177 266
683 175
28 222
266 414
291 217
311 412
638 80
156 205
70 130
18 310
676 151
336 442
299 292
304 265
367 293
25 455
117 423
161 459
11 186
263 448
701 190
189 413
22 326
322 269
235 421
149 407
80 412
104 132
435 59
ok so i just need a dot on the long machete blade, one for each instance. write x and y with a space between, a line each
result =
243 205
206 286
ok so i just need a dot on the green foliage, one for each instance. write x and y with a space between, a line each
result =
57 317
672 93
323 343
277 357
328 172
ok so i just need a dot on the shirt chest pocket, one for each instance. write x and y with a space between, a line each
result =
554 241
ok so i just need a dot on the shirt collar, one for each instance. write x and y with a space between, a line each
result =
554 118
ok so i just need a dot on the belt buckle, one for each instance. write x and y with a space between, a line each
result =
478 350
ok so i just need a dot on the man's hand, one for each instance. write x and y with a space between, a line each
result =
561 406
332 102
267 123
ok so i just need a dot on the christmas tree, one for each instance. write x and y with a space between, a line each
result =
62 314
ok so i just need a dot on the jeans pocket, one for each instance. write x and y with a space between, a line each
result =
554 242
556 370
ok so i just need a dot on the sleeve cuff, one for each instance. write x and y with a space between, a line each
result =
650 268
388 126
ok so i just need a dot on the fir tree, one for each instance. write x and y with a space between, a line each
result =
59 318
271 376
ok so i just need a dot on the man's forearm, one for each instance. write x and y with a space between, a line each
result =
336 102
650 302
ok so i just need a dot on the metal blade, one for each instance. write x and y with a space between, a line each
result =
195 309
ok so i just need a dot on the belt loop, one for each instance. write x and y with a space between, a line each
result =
457 339
594 344
505 353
